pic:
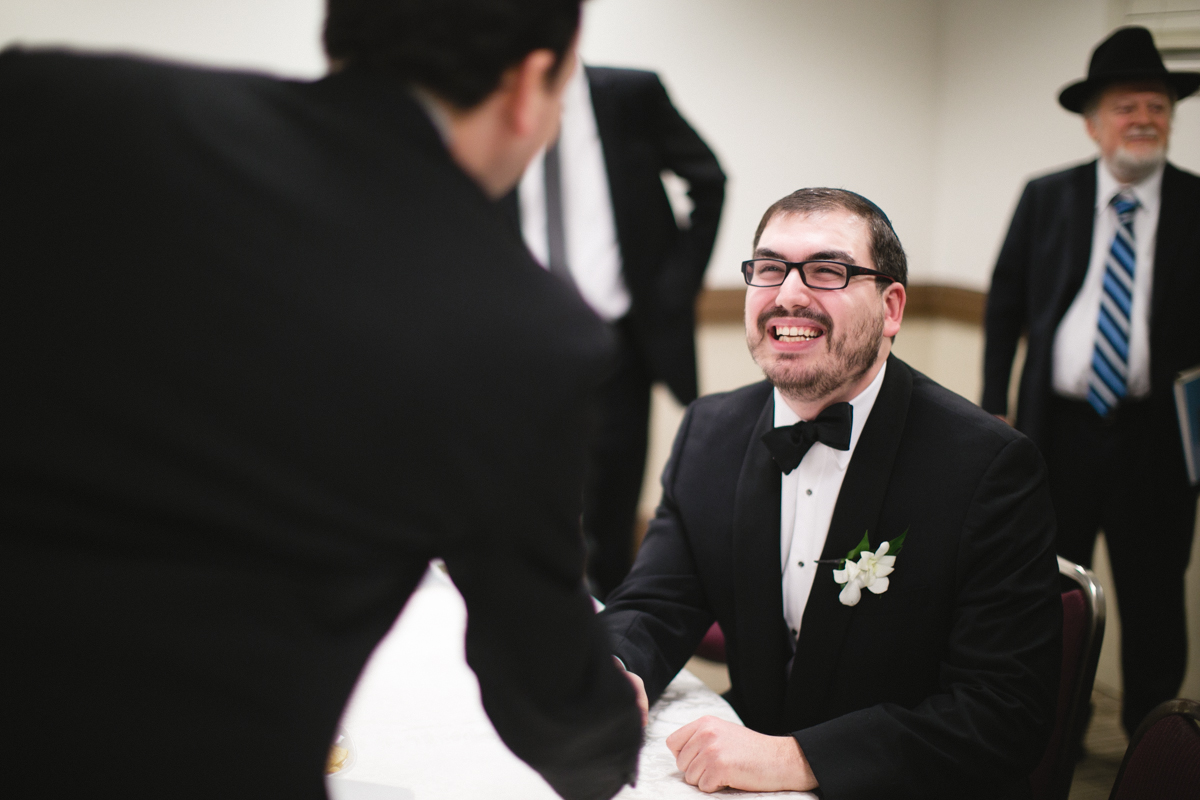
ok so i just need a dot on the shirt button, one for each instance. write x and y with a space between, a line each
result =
808 491
800 563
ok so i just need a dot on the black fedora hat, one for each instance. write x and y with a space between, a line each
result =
1128 55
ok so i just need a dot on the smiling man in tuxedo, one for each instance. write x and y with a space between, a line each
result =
924 668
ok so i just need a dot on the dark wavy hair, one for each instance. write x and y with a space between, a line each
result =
457 49
886 251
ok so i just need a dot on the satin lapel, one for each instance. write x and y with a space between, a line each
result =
762 646
1081 221
857 510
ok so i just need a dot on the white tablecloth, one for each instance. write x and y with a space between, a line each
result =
416 729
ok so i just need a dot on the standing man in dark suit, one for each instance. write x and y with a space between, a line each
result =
594 211
1101 271
877 550
262 340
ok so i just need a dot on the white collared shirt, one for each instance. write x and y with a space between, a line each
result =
1075 338
809 495
590 232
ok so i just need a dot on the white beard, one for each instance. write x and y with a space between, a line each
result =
1136 167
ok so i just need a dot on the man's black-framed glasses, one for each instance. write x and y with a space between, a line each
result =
823 275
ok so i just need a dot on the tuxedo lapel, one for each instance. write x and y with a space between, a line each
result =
857 511
761 635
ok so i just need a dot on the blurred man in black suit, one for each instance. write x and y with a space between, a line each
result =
1101 270
263 340
594 210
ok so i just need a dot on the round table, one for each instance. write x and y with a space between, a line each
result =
416 729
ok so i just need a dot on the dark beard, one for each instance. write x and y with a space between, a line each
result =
850 363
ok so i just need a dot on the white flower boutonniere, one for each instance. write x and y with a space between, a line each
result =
870 571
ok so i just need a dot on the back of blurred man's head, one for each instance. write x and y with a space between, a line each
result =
456 49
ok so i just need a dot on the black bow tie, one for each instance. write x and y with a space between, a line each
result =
789 444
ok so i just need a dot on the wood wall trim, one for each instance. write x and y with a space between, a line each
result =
933 301
925 301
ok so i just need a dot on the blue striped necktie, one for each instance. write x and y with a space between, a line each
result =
1109 380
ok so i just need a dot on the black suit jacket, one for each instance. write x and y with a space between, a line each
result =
942 686
1040 270
641 135
269 351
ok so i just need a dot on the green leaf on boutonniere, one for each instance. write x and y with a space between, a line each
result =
865 544
895 544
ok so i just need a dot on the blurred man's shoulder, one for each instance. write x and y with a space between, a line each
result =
77 71
1059 176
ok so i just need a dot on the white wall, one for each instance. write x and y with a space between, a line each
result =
279 36
792 94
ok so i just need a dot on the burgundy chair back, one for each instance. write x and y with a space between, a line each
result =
1042 780
1163 759
1083 632
712 646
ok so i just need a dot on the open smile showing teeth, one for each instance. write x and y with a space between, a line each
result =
794 333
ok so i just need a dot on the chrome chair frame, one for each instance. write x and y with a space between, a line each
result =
1079 702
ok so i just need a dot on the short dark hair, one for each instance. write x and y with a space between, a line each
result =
886 251
456 49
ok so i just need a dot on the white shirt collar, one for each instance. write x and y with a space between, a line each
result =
862 405
1147 191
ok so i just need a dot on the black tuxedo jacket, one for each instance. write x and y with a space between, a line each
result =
269 350
1040 270
944 685
641 135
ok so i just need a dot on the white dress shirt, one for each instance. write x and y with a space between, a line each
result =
1075 338
810 492
593 253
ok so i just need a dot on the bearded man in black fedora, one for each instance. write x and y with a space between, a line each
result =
1101 271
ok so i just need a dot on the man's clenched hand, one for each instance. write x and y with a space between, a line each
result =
713 754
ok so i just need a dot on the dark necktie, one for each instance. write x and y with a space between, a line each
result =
789 444
556 234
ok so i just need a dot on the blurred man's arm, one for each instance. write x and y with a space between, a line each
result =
659 614
1006 308
688 156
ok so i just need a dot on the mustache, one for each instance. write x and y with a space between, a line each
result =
1142 130
801 313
